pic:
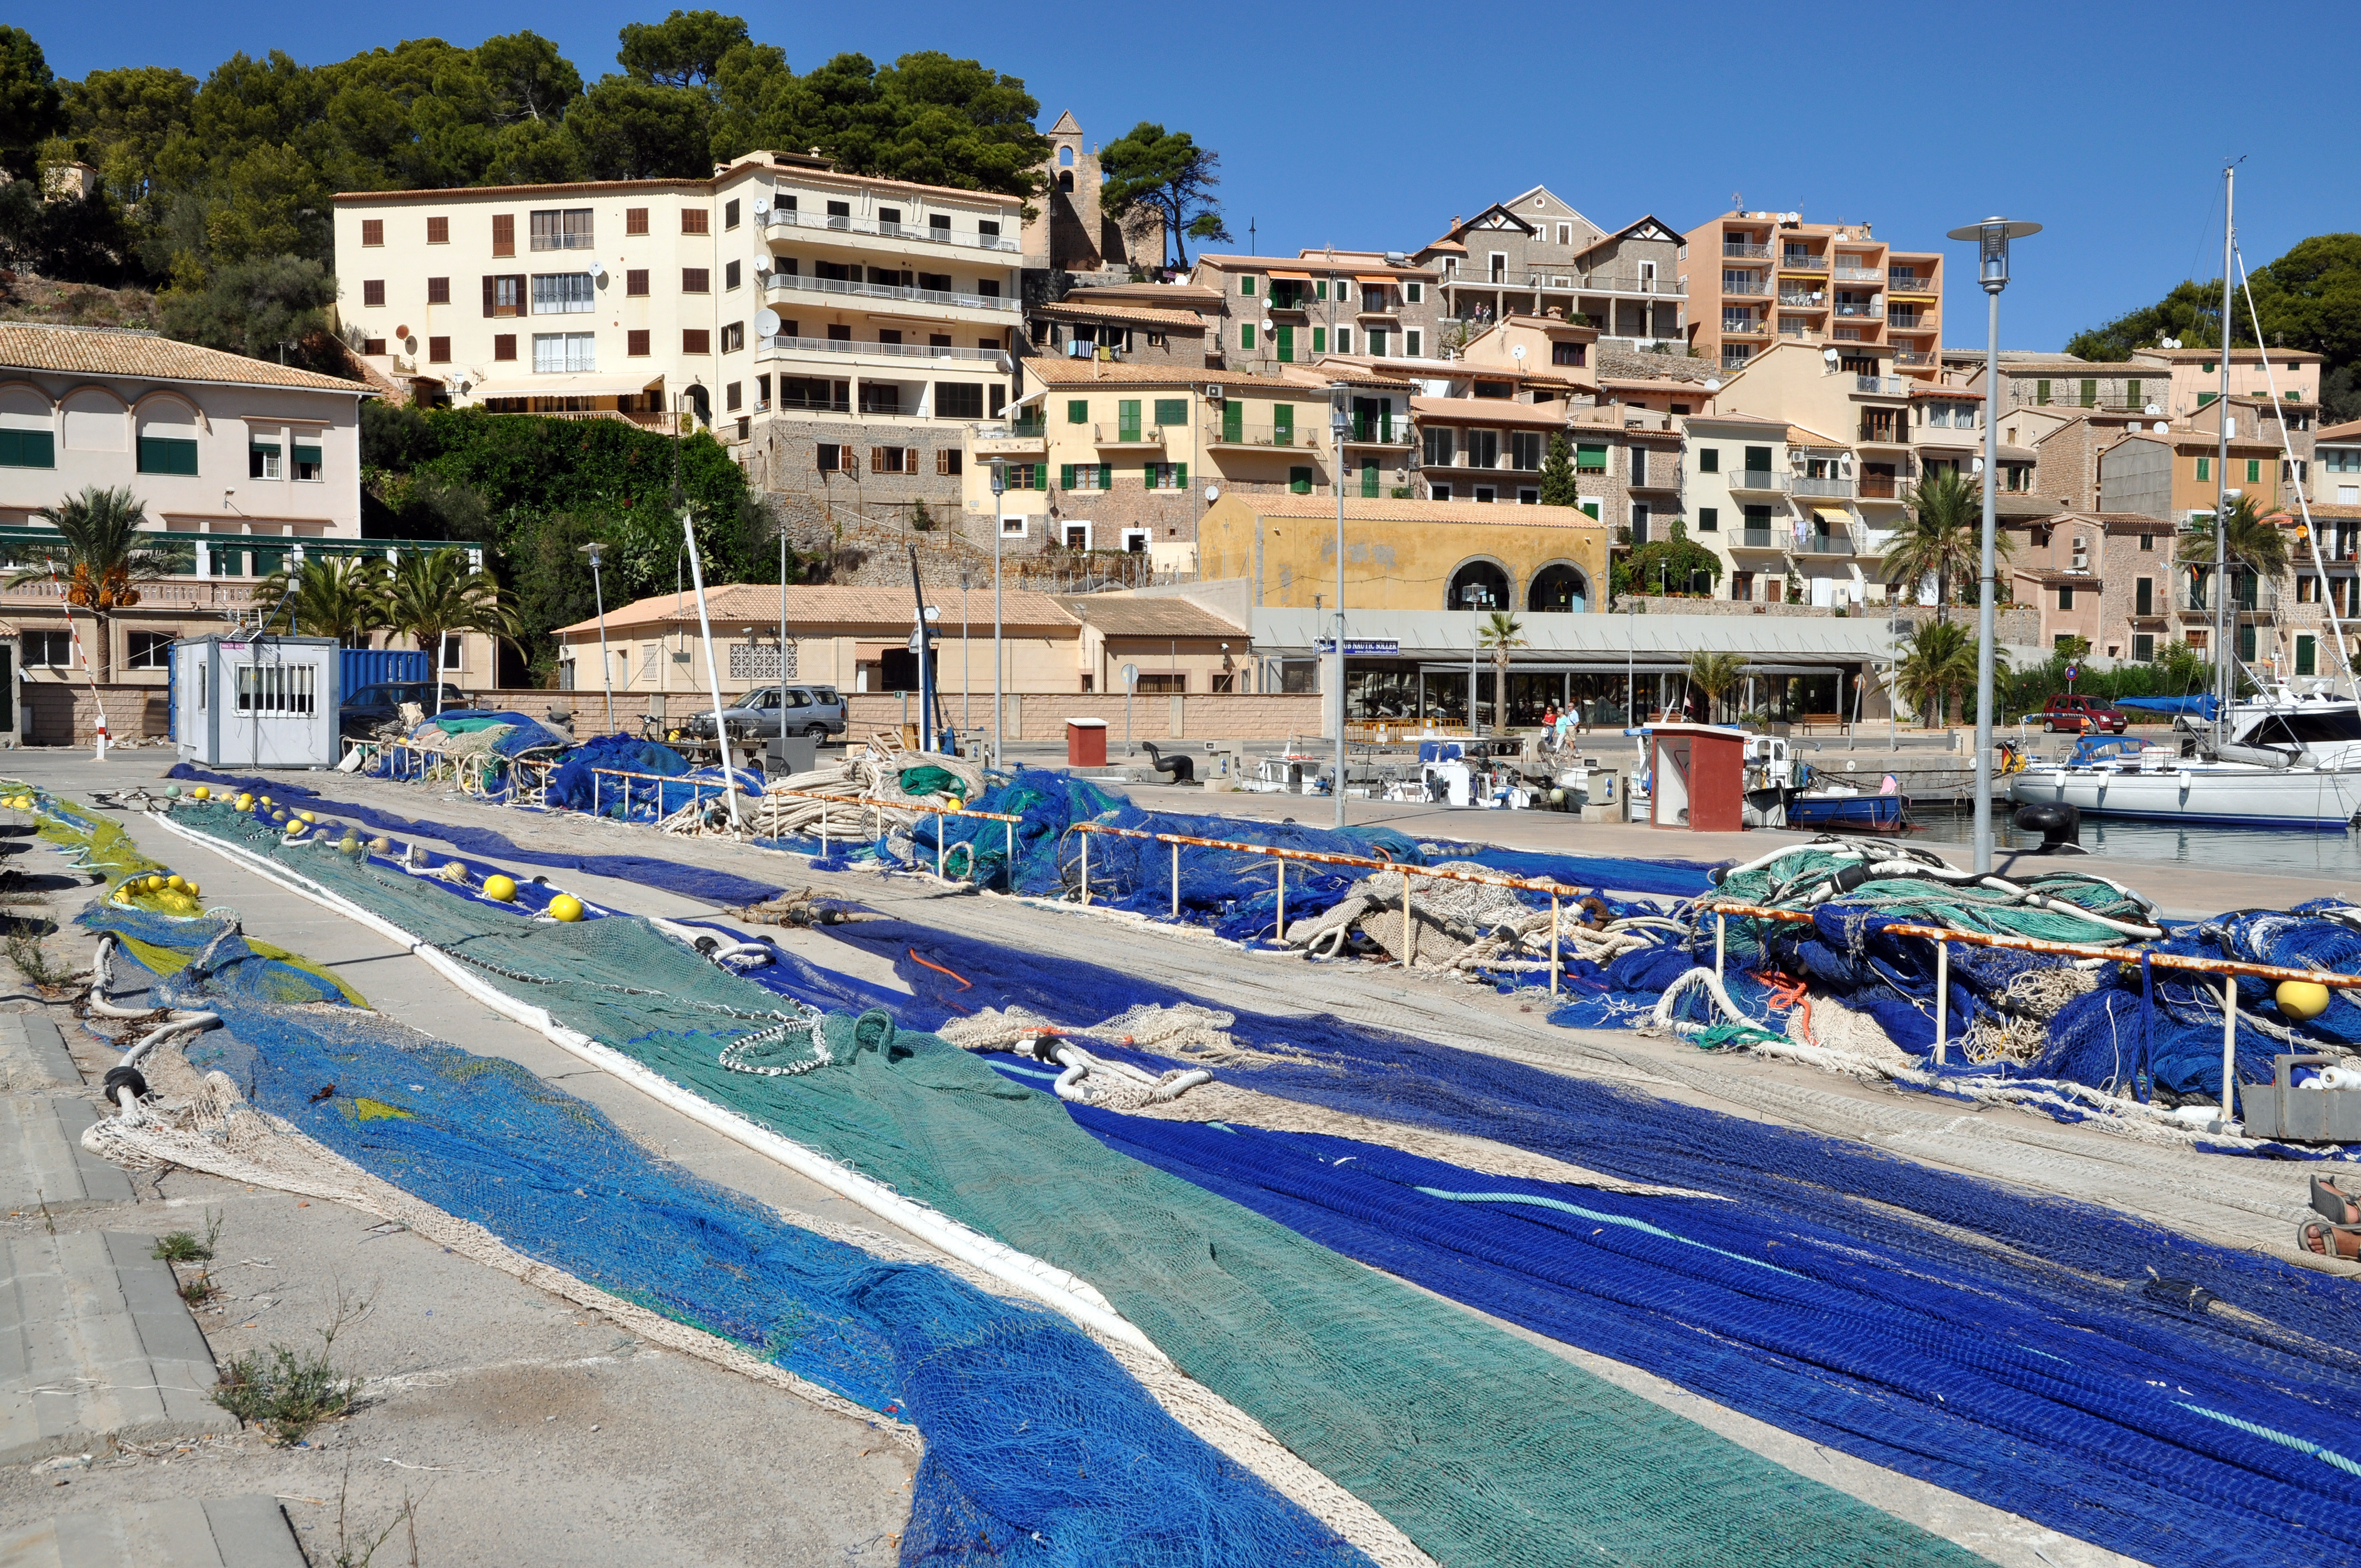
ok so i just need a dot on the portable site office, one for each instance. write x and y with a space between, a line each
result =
258 702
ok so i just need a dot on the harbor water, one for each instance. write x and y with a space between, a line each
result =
2257 849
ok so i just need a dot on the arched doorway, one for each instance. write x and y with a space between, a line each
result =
701 404
1478 585
1559 588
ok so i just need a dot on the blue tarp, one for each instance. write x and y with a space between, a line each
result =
693 882
2203 706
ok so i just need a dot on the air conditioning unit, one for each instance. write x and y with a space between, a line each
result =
1212 391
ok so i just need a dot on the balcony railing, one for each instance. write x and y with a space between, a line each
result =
1858 312
1012 430
1914 357
779 220
1755 539
785 345
1120 434
1815 300
1800 334
1836 488
782 282
1745 252
1796 262
1303 438
1860 274
1744 326
1901 284
1816 542
2249 596
1745 286
1908 320
1379 430
1881 386
1882 486
1759 481
1618 283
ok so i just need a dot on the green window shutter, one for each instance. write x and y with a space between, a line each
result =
1414 293
1320 288
2143 595
2089 394
2205 398
2132 393
1127 419
1300 480
1066 476
1107 475
2041 391
1245 283
1171 412
1590 506
1078 411
2246 641
1368 481
1282 422
1709 459
2204 469
1233 415
1590 458
1319 340
2306 659
307 455
167 455
1285 338
1246 335
28 449
2253 470
1179 475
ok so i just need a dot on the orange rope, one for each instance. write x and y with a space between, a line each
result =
1788 995
965 984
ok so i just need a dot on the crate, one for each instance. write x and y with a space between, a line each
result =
2280 1110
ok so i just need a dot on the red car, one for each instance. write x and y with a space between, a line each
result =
2082 715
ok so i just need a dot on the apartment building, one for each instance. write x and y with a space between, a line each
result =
1113 454
2336 465
2193 377
1085 326
2109 578
840 331
1531 348
1534 254
1753 279
1279 311
1069 231
1408 555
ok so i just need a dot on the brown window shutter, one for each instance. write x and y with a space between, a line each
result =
635 220
943 460
491 285
503 234
438 290
504 345
635 343
372 231
438 351
635 281
438 231
877 460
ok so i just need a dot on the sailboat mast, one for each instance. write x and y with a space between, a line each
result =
2224 680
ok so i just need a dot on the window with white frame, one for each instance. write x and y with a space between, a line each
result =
562 293
149 650
555 353
454 649
47 649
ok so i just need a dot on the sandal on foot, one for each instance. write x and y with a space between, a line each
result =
2333 1203
2326 1234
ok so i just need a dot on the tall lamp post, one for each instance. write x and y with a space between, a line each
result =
999 703
606 662
1339 421
1991 238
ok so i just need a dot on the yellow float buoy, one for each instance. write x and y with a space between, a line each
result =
499 889
155 885
295 829
565 906
307 817
202 793
379 846
177 883
2301 998
245 802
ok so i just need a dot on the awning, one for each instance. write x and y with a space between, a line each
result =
1374 280
1285 275
1830 514
585 384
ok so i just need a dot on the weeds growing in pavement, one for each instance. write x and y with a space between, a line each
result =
184 1246
350 1553
292 1391
24 950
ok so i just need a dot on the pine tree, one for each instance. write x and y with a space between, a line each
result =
1558 489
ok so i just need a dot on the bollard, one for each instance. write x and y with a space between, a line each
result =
1942 999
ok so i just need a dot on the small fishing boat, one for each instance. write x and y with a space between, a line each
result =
1784 791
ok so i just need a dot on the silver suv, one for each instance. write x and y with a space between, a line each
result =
816 711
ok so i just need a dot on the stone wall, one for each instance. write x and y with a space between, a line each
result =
1624 362
57 714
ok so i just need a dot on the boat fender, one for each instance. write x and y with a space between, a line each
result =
1851 877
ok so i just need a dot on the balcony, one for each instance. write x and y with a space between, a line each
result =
1292 438
1816 542
1872 433
1882 487
1914 357
1899 284
1618 283
784 283
2257 600
1287 305
1745 326
1858 274
785 222
1813 299
1121 434
1757 482
1855 310
1009 438
1796 261
1379 430
782 347
1877 385
1742 252
1908 321
1745 286
1756 539
1835 488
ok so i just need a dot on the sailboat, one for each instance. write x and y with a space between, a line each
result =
2281 758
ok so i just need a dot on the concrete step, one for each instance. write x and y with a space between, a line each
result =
33 1054
175 1532
96 1344
42 1162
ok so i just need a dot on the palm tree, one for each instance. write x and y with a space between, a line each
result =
2250 544
343 596
1941 537
437 593
1500 632
103 558
1714 674
1941 664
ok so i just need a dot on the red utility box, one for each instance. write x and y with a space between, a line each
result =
1086 743
1698 777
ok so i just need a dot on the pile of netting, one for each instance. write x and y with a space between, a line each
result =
573 785
2094 1372
474 747
1479 1446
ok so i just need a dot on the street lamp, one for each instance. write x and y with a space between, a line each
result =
1339 422
999 466
606 664
1991 238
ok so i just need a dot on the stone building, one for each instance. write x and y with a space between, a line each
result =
1295 310
1069 232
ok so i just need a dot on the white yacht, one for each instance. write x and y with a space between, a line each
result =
2291 760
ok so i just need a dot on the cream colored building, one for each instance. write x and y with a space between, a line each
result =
833 322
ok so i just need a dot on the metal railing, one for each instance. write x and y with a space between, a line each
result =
1302 438
1835 489
1816 300
1914 357
1282 854
1816 542
1745 326
1126 435
1745 252
1858 312
1858 274
1013 430
785 282
777 219
1905 320
1379 430
1617 283
1881 488
782 344
1793 262
1898 284
2231 969
1745 286
1754 538
1884 385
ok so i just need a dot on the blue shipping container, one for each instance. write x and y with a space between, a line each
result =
362 667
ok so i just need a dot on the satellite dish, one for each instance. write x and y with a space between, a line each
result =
767 322
934 612
1713 384
596 271
1266 323
1517 352
1212 492
762 206
1831 356
2154 408
761 267
2162 428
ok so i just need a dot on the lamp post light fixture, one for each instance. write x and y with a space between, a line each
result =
606 662
1991 238
1339 425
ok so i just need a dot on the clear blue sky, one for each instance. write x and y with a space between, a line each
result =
1371 124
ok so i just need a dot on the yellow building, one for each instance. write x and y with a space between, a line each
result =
1407 554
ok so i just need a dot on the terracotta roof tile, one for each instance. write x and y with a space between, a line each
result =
891 609
1125 615
112 351
1051 371
1499 513
1073 310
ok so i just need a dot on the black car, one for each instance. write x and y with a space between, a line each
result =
371 708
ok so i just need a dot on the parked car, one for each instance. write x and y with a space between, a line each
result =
369 709
2083 716
816 711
